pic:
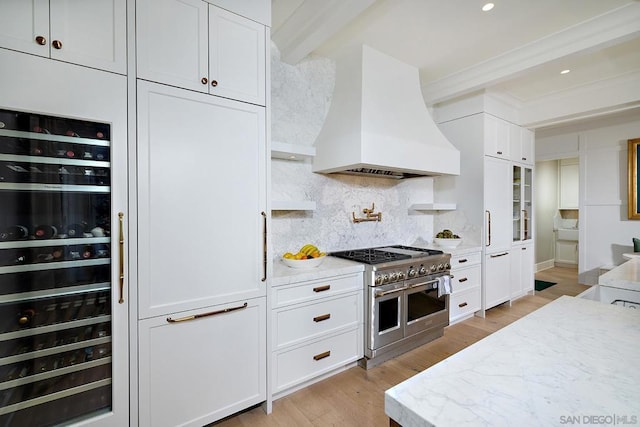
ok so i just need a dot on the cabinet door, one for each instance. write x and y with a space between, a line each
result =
498 200
496 284
496 137
90 32
172 44
194 372
566 252
527 254
527 144
569 184
256 10
236 57
21 22
72 344
201 192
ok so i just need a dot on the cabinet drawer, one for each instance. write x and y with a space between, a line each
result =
465 278
461 261
309 321
306 362
313 290
464 302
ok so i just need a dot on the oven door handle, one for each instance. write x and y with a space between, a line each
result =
393 291
417 285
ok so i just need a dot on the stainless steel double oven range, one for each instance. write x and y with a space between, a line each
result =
405 305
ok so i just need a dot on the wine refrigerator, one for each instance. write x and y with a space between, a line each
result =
56 275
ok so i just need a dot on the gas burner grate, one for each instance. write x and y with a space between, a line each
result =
425 250
370 256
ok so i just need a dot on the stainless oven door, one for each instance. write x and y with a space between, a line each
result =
386 324
424 309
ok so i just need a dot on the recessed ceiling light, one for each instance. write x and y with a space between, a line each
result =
567 71
487 7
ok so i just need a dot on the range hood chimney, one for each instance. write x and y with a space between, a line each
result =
378 123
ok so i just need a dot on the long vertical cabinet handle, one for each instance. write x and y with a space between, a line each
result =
264 246
488 228
121 247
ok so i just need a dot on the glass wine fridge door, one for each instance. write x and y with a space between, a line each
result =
55 269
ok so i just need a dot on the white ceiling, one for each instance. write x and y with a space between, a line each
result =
516 51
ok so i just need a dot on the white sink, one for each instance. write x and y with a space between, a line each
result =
567 234
622 297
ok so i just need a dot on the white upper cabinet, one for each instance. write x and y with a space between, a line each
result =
256 10
569 182
90 32
197 46
496 137
498 210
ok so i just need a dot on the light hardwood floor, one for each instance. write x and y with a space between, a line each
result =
355 397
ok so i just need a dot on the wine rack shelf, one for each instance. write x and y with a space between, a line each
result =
55 269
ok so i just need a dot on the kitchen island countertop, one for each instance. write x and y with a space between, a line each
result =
570 359
624 276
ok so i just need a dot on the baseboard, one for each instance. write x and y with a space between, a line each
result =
545 265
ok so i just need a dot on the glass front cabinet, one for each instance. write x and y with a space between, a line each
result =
522 206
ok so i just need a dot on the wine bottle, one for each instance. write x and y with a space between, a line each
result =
14 232
45 232
75 230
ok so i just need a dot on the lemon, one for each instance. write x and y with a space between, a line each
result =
288 255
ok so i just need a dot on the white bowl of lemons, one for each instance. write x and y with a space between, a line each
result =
309 256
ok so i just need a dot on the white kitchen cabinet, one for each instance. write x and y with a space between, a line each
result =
90 33
497 134
317 328
486 189
199 366
566 252
466 285
497 201
256 10
569 183
198 46
522 274
200 239
497 286
73 354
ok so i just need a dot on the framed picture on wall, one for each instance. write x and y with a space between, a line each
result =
634 178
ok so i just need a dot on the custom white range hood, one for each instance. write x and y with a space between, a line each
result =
378 123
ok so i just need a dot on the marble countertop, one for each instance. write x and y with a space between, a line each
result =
570 359
624 276
284 275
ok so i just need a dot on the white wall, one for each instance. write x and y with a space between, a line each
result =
546 206
605 231
300 97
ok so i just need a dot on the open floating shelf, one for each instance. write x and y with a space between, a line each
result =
433 207
282 150
293 205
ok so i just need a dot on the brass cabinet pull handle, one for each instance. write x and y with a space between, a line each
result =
57 44
211 313
322 317
204 80
488 227
41 40
464 279
322 288
462 260
264 247
321 355
463 304
121 247
214 83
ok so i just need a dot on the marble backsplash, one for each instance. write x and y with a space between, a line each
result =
300 96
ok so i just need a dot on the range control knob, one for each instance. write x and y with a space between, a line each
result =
440 267
401 275
393 276
447 266
378 280
422 271
433 268
385 278
412 272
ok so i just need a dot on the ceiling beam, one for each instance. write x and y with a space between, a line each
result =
313 23
615 27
